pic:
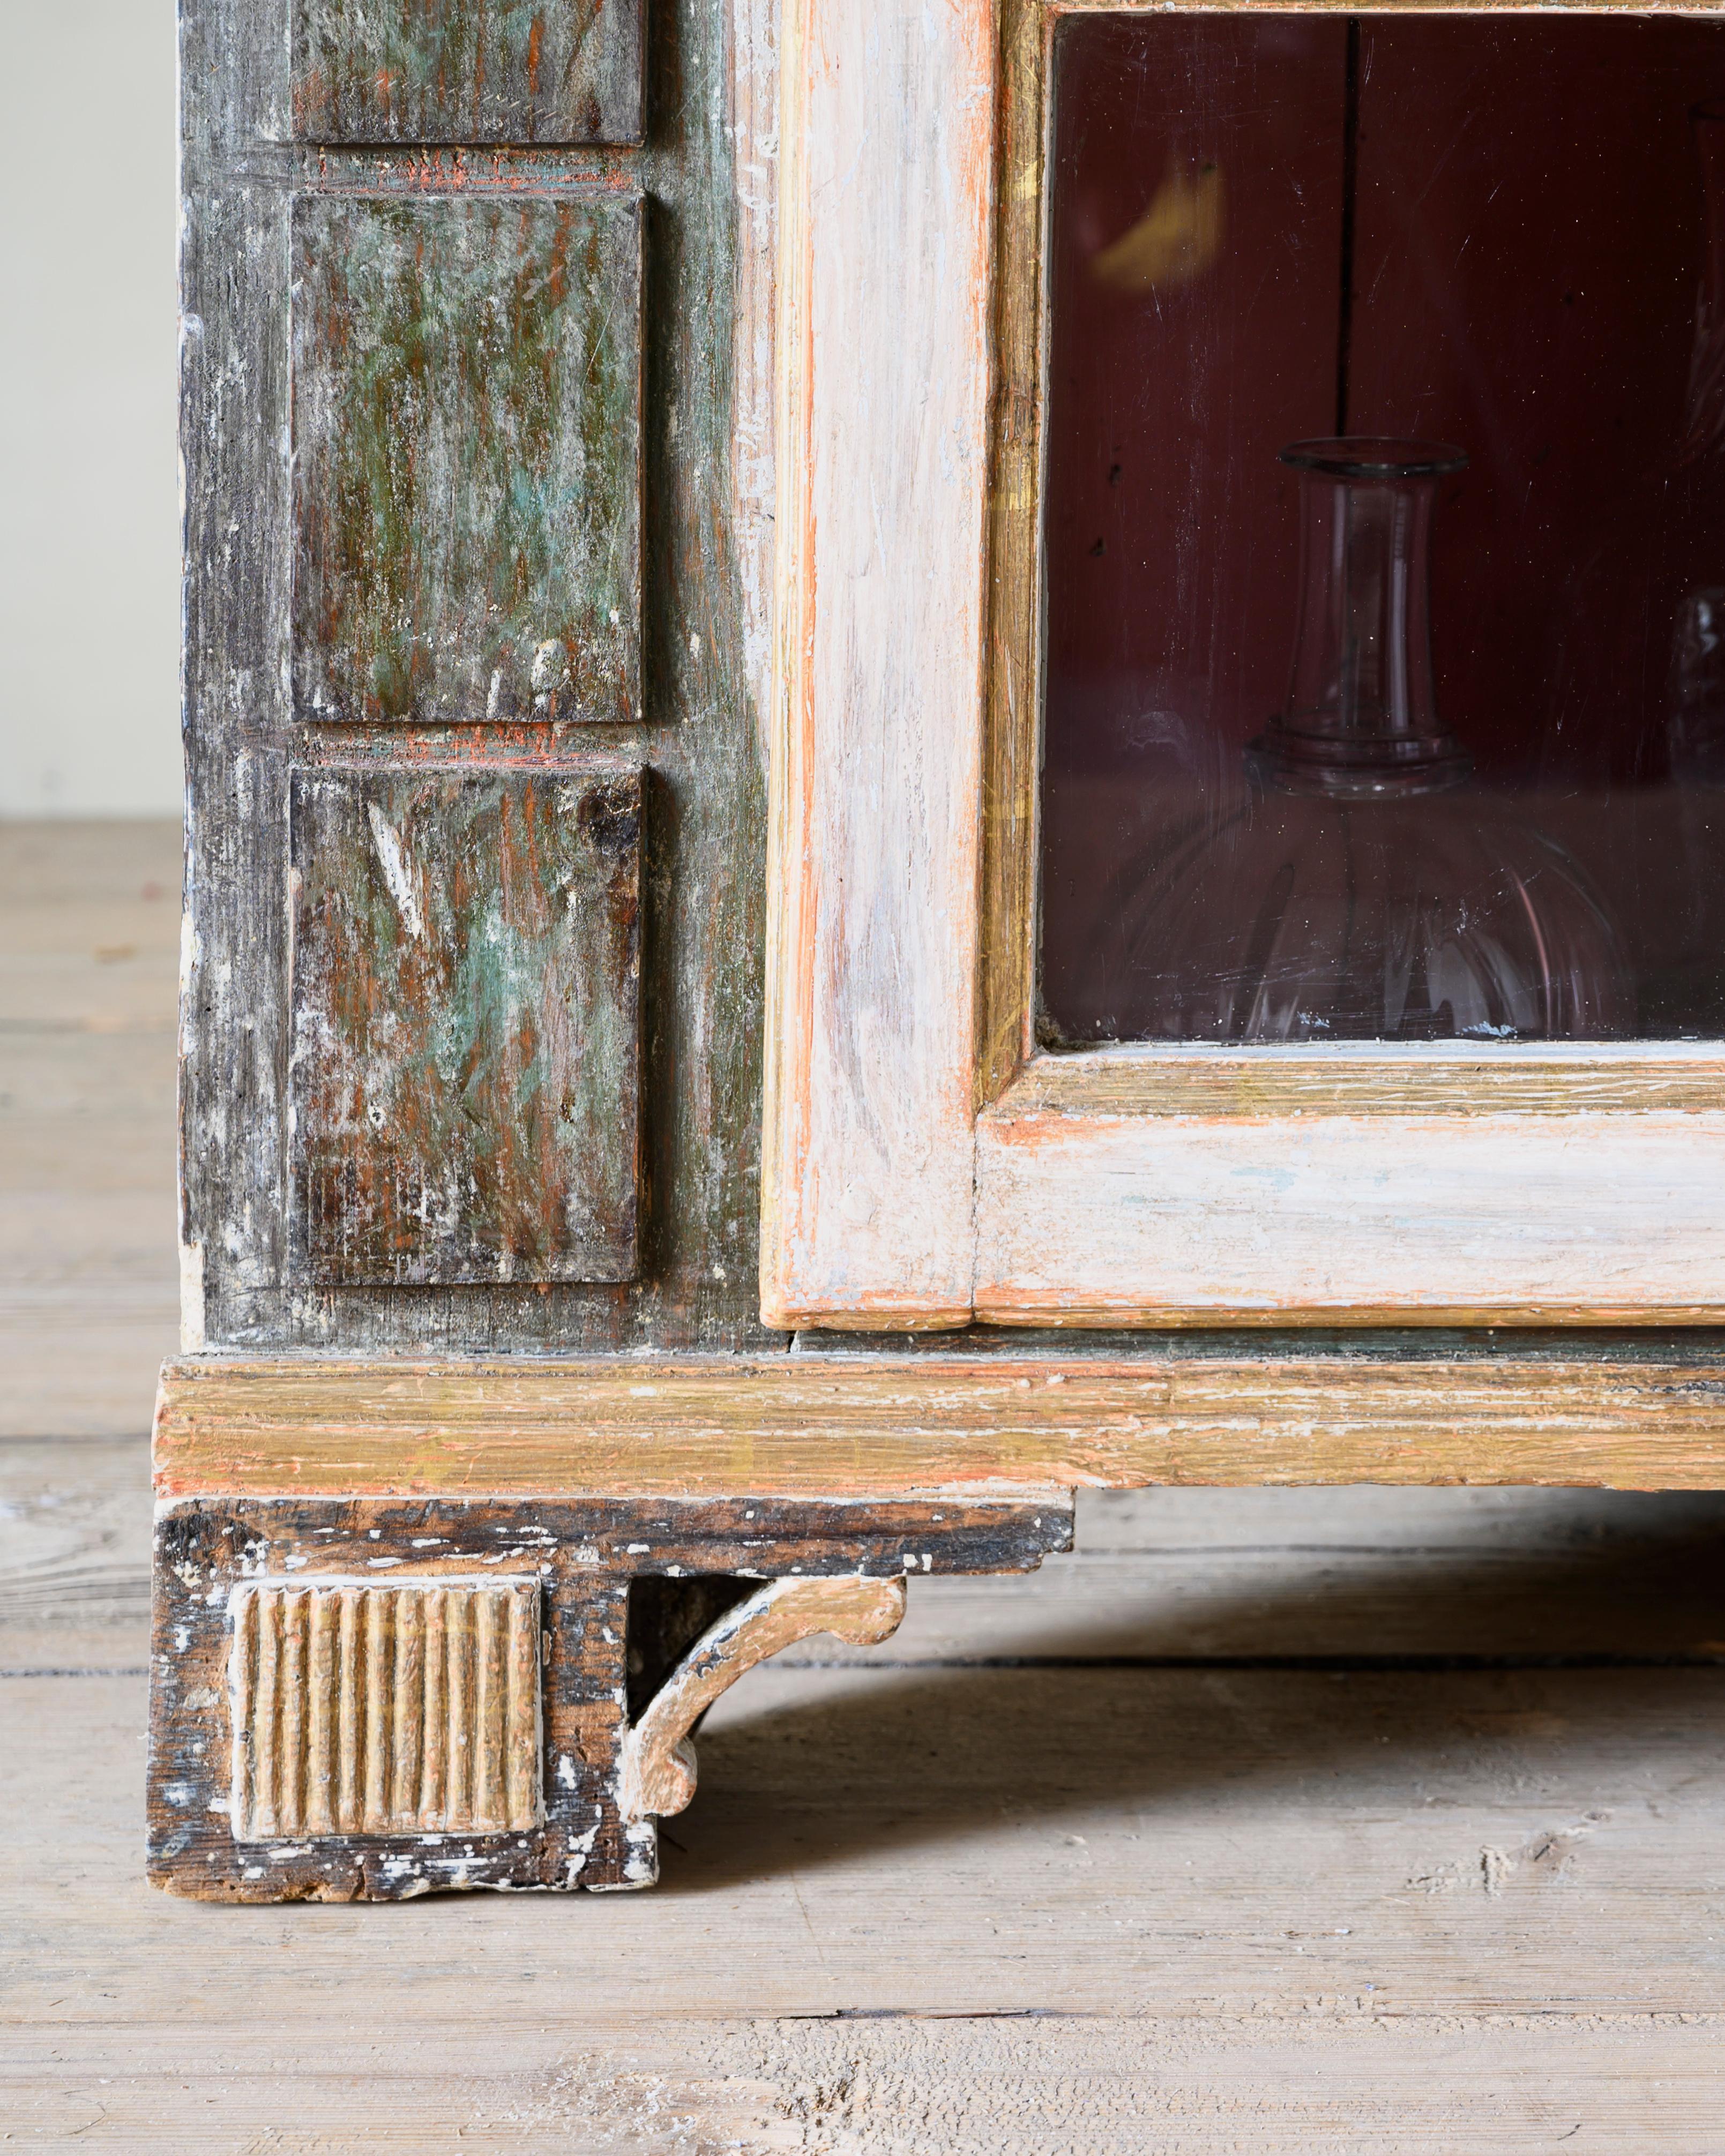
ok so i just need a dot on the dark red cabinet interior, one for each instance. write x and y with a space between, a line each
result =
1518 204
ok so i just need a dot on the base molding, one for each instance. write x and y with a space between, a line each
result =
374 1699
884 1427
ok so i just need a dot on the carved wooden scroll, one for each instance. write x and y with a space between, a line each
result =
365 1709
658 1766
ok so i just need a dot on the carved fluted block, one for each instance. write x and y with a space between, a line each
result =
374 1709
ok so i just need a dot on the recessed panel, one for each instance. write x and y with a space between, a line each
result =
466 997
467 445
467 70
1385 530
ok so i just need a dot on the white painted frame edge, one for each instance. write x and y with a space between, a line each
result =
886 245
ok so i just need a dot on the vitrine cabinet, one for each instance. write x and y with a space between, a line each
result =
728 550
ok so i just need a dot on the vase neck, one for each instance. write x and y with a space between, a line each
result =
1361 719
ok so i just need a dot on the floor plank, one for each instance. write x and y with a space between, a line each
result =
88 975
1324 1914
1377 2086
1095 1861
74 1555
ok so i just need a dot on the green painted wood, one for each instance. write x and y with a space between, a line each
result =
698 733
550 71
466 997
467 445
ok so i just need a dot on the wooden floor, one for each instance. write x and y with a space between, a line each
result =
1357 1822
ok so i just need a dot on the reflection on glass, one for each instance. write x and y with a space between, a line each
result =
1695 725
1406 230
1637 712
1640 666
1362 890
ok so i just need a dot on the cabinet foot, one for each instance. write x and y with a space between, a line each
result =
369 1700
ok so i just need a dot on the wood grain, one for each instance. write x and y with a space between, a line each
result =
658 1771
1487 1219
882 1427
1133 1907
1141 1079
1081 1220
467 447
696 727
1011 755
467 71
882 434
89 947
466 985
1168 1574
351 1701
1264 1912
387 1732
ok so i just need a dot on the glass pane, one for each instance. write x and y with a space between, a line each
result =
1385 530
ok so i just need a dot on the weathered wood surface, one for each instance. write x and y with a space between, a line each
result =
467 70
560 1824
1324 1912
1505 1219
1682 1077
886 188
964 2083
885 1426
1232 1816
467 458
1138 1214
362 1707
1178 1883
1430 1574
467 1024
74 1535
658 1766
694 726
325 1725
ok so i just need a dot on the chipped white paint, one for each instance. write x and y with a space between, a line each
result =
1106 1219
396 874
886 202
192 1318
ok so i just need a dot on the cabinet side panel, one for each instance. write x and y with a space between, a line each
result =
666 216
234 390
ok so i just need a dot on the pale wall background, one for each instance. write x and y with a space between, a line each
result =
89 507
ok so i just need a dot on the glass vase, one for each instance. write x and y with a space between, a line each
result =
1362 888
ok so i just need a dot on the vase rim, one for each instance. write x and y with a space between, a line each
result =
1374 456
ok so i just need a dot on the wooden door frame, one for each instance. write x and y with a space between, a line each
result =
924 1166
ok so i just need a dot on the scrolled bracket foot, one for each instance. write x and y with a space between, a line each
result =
658 1763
